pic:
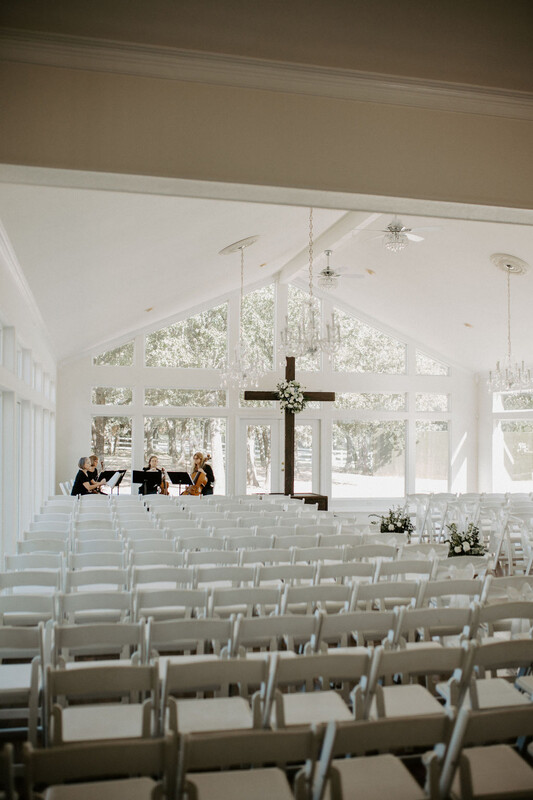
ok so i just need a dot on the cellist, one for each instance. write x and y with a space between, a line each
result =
198 476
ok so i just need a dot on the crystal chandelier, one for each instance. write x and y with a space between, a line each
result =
509 376
305 338
395 240
241 372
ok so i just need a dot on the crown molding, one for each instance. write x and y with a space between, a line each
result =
76 52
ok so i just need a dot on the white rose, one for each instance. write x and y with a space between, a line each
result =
457 549
466 547
391 527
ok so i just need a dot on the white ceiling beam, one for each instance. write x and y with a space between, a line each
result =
334 237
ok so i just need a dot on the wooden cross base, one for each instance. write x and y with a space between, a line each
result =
290 373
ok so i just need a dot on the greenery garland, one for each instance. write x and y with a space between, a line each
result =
291 397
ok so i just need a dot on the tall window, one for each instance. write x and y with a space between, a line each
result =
368 459
199 342
258 326
367 349
110 396
119 357
432 456
174 440
111 440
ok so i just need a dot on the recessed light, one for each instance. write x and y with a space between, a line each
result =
468 325
149 309
263 265
371 272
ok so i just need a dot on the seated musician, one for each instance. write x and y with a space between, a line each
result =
208 469
198 476
156 486
82 482
93 474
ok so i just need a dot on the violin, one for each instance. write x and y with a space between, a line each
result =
199 481
164 485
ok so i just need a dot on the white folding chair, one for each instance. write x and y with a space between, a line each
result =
163 577
328 597
99 720
247 600
494 770
123 641
94 607
346 572
169 603
21 682
362 628
27 609
286 634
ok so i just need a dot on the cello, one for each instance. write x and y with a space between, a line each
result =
199 480
164 485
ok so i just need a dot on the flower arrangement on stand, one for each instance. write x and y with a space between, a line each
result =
291 396
464 543
396 521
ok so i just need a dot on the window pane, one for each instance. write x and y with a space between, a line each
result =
368 459
184 397
384 402
429 366
258 458
516 401
514 456
199 341
297 306
174 440
258 326
119 357
108 396
432 456
366 349
111 440
303 458
432 402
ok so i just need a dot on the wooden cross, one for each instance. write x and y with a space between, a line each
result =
290 372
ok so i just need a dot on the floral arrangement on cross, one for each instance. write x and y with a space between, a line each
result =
396 521
464 543
291 397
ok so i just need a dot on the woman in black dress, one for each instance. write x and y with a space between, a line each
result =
82 482
155 485
93 474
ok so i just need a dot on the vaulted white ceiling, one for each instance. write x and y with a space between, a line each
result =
95 261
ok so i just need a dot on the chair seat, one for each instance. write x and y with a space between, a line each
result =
15 681
214 714
376 777
498 773
491 692
132 788
402 701
261 784
306 708
103 721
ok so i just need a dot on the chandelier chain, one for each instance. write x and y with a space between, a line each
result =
509 314
311 255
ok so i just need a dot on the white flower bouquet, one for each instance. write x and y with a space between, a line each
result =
396 521
464 543
291 397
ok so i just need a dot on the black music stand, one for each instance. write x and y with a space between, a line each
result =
180 479
148 480
107 474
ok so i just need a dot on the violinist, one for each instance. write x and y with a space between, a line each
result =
154 488
198 476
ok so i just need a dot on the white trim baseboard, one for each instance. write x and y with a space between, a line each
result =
76 52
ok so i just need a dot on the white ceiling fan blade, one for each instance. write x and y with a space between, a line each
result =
413 237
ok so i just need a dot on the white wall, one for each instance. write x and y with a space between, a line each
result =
27 408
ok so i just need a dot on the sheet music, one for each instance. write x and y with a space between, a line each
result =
114 479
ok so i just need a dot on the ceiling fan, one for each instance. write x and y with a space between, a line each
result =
397 236
327 278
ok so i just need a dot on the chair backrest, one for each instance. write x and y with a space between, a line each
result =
325 596
133 757
446 592
226 574
368 595
26 609
33 561
97 606
361 627
98 546
174 577
404 569
155 558
200 636
341 573
285 574
296 541
217 676
248 600
292 631
366 551
109 578
312 555
169 603
79 561
49 532
204 557
41 580
124 639
266 555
